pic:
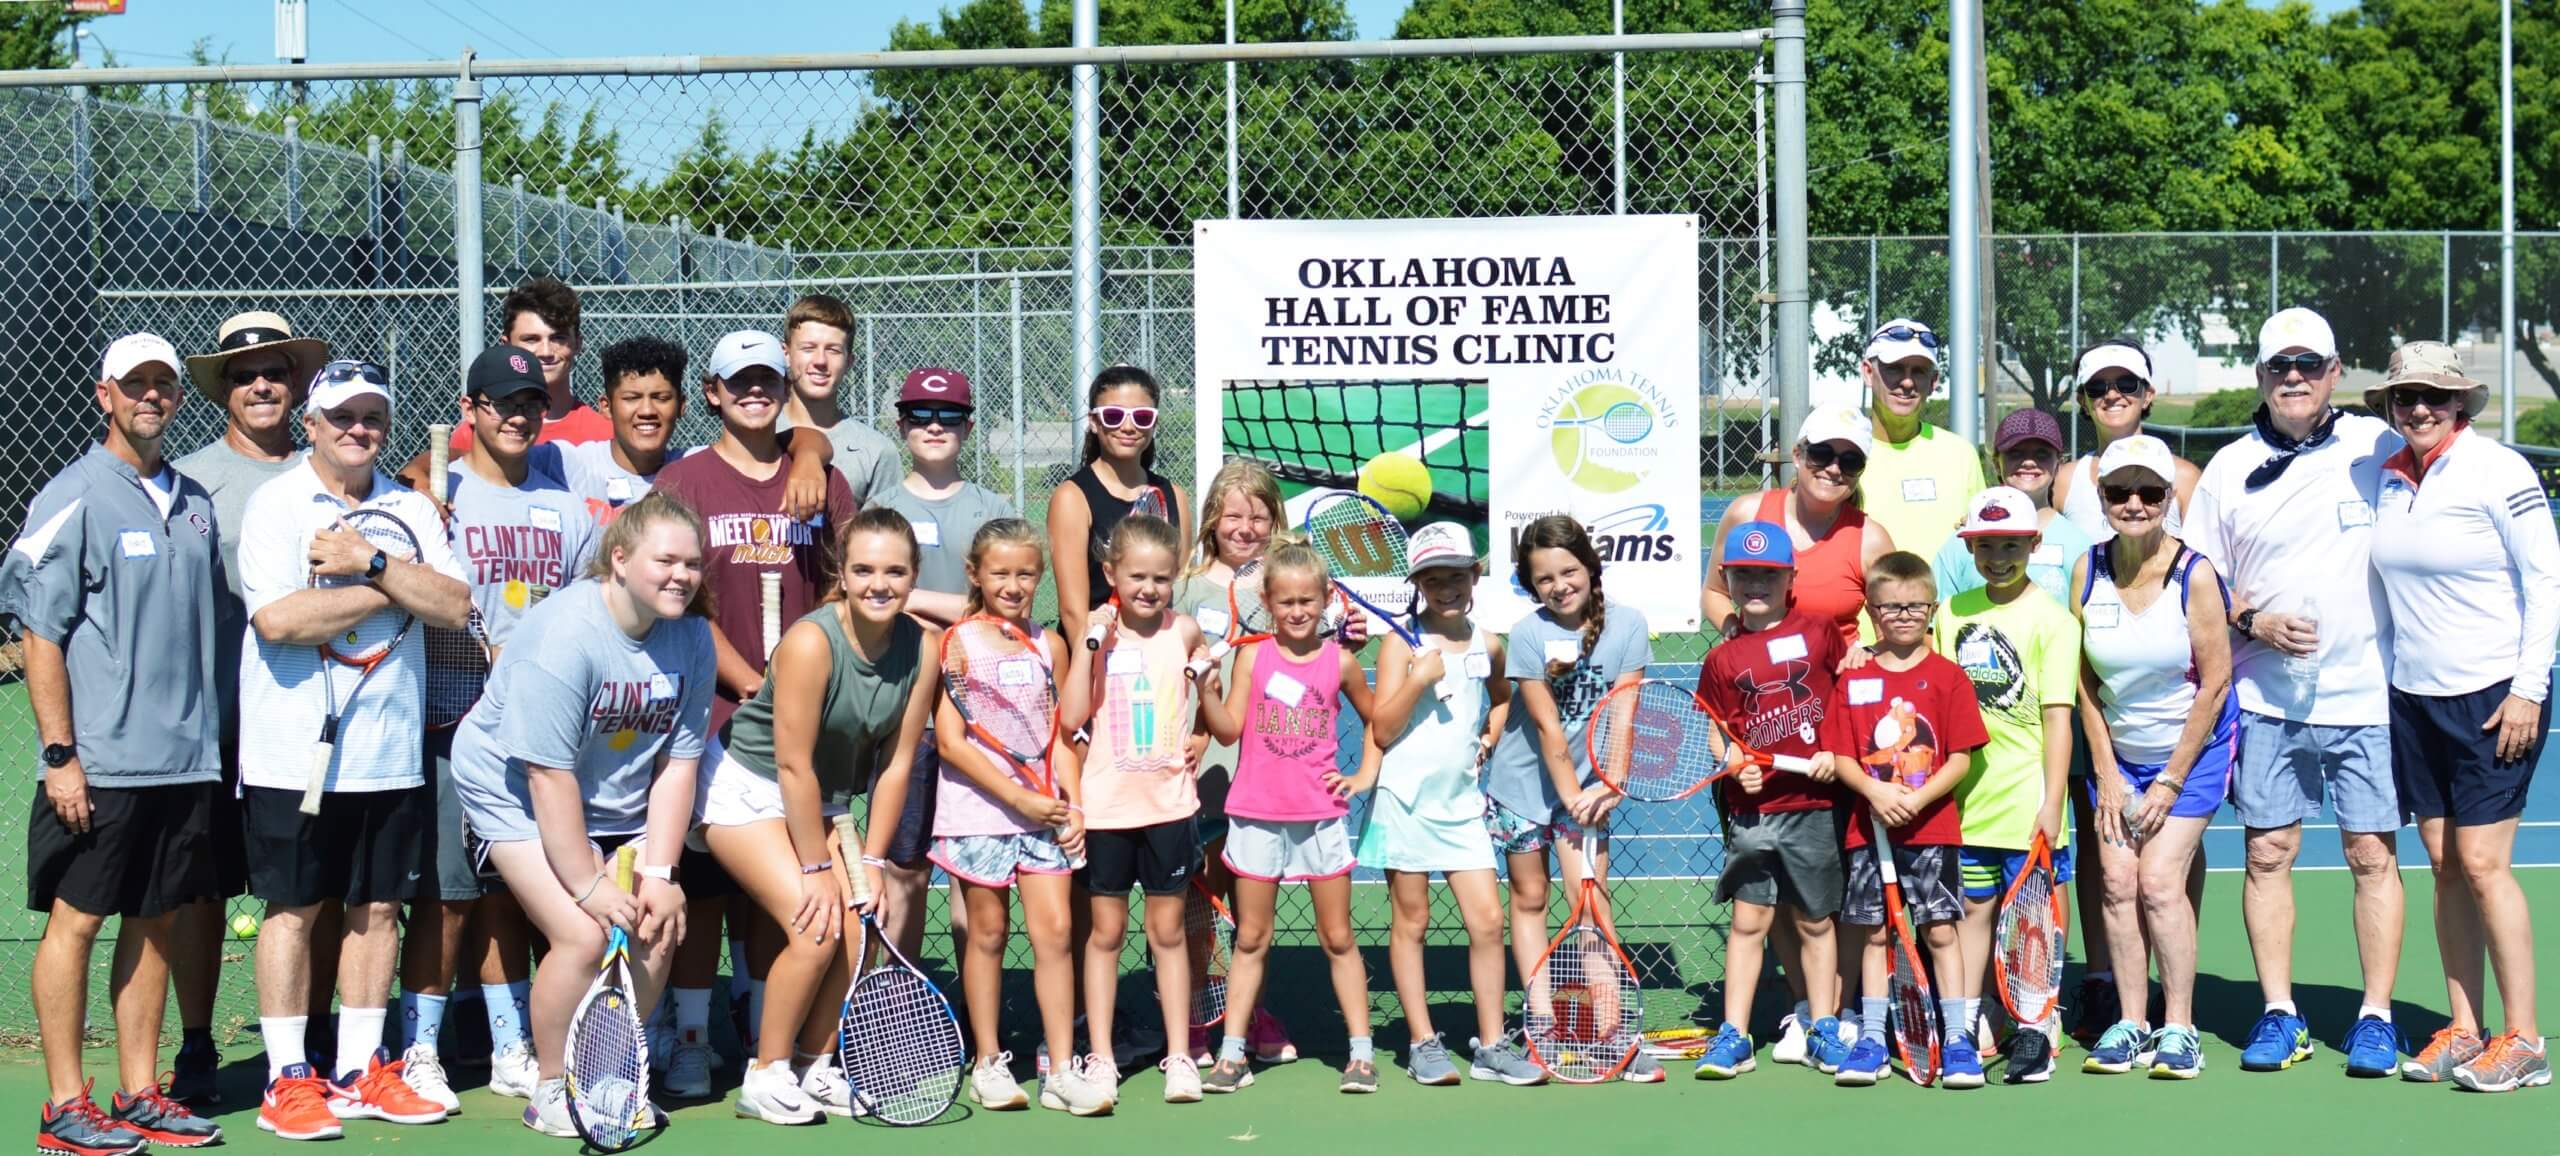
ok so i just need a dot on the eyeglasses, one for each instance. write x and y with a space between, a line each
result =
2119 495
1126 416
2308 363
922 417
342 372
2432 397
1901 609
244 375
1926 339
2101 387
1821 456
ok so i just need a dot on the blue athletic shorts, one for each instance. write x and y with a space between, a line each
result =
2208 781
1988 871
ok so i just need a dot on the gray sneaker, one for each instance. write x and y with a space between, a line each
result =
1427 1061
1642 1070
1360 1077
1503 1060
1227 1076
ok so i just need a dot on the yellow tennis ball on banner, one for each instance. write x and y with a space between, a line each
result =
244 926
1399 482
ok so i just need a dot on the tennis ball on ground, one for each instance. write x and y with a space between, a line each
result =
244 926
1400 482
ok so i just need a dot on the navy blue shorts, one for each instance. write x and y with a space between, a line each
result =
2447 767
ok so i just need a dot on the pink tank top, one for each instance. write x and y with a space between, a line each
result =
1289 737
1135 772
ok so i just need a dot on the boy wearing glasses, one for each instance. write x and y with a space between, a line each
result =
815 335
1918 475
1902 733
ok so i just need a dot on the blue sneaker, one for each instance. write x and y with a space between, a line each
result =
2176 1054
1864 1064
2278 1041
2373 1048
1823 1047
1959 1065
1728 1055
2118 1049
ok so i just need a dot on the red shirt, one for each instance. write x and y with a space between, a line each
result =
584 424
750 536
1773 685
1900 725
1831 574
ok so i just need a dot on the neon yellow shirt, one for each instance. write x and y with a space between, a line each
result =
2021 657
1919 488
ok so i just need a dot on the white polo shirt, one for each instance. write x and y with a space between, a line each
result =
282 701
2471 564
2304 542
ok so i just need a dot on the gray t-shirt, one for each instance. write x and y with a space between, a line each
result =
518 544
872 464
230 478
593 474
1516 775
943 527
582 694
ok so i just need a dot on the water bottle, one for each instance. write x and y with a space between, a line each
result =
2304 669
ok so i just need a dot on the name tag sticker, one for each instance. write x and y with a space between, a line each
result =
1286 689
1919 489
928 533
137 544
2104 617
1478 664
661 687
1015 672
1866 691
1787 648
1123 660
1213 621
617 490
2354 514
544 518
1564 650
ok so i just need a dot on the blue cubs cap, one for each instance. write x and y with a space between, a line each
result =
1760 544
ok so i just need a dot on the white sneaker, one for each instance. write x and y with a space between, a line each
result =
512 1072
1181 1079
992 1086
423 1071
824 1084
549 1111
1068 1088
688 1071
769 1092
1104 1072
1790 1046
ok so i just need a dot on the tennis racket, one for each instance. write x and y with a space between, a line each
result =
1210 930
362 646
1251 619
1913 1006
1626 423
1150 501
1358 538
439 458
1657 741
2029 960
1592 1022
1000 682
608 1052
769 594
896 1036
1681 1043
458 665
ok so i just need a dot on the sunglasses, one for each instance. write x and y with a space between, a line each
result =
2119 495
1126 416
341 372
245 376
922 416
1926 339
1821 456
1901 609
2102 387
2432 397
2307 363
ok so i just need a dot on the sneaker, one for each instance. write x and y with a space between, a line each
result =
1959 1064
825 1086
1182 1079
512 1071
992 1086
1863 1066
2118 1050
2504 1065
548 1114
2373 1048
2277 1041
1227 1076
2176 1054
1823 1047
78 1128
1427 1061
2029 1057
1791 1045
1267 1040
2449 1049
1105 1075
2101 1011
771 1093
193 1078
688 1069
1643 1069
1503 1060
1359 1077
378 1093
1728 1055
423 1070
296 1106
1071 1088
164 1121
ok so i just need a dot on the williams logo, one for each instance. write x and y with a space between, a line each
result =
1634 534
1604 427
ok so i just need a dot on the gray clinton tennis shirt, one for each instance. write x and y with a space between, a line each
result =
129 595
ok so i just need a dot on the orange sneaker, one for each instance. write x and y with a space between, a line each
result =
297 1106
378 1093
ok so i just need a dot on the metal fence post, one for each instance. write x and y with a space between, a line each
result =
2444 284
83 181
978 335
293 172
1231 116
2275 276
1794 291
1021 460
1964 224
560 233
1618 111
515 222
468 269
1084 151
870 368
203 167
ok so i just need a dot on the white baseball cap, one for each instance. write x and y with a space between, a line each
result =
2139 452
345 380
1439 544
137 349
2000 511
746 348
1917 340
2296 328
1838 423
2113 355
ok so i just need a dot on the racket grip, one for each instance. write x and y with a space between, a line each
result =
626 862
849 849
1093 634
1797 763
321 756
769 589
439 458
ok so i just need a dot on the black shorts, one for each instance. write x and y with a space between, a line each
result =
363 846
700 874
148 852
1158 859
2447 767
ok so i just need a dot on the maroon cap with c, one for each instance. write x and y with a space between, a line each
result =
949 386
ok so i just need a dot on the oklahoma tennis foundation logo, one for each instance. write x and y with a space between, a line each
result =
1602 426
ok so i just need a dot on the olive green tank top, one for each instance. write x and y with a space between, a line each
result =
858 716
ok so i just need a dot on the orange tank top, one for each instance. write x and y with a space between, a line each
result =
1831 579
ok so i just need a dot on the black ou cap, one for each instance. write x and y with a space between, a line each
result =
501 370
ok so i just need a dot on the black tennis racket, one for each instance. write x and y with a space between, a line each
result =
363 646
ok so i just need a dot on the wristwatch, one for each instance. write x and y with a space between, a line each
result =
2247 619
661 872
373 569
59 754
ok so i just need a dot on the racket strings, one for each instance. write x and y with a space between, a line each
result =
902 1049
457 669
1357 539
1658 746
1593 1009
1915 1015
377 632
608 1076
1002 687
2031 950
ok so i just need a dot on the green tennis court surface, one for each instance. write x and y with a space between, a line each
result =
1319 434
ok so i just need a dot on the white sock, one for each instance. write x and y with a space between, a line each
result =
359 1036
282 1036
2380 1013
2282 1005
693 1012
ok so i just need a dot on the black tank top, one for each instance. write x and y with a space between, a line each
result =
1106 510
